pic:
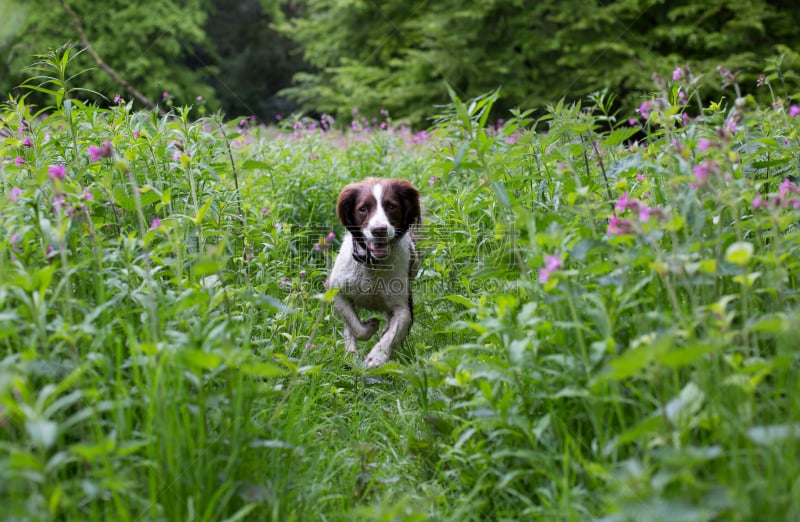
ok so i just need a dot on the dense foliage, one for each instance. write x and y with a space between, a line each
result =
605 327
265 57
398 54
212 54
147 43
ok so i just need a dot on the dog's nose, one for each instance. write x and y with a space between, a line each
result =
381 232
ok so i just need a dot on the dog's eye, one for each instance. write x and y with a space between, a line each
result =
390 206
362 210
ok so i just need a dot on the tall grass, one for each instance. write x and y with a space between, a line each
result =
606 315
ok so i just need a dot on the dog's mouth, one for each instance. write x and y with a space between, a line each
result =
379 248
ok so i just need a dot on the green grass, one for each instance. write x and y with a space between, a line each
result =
165 353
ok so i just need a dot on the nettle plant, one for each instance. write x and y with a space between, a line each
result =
643 345
605 324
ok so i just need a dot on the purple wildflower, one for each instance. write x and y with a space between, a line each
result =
551 264
704 144
622 202
433 180
643 109
786 187
619 227
155 223
640 177
27 142
19 161
703 171
794 111
57 171
15 193
117 98
106 150
758 201
677 73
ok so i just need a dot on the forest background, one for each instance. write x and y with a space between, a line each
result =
270 58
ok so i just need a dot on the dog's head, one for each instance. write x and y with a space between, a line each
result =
378 212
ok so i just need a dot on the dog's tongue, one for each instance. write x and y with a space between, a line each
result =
378 249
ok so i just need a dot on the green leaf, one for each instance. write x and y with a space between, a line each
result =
263 369
739 253
201 360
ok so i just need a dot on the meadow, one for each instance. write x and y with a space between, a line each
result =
606 315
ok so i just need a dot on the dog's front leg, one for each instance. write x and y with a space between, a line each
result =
396 331
354 328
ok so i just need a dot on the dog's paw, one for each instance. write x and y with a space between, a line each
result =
376 357
370 327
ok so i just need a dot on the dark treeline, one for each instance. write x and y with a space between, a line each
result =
271 57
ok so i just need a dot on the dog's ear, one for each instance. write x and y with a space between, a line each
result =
409 196
345 206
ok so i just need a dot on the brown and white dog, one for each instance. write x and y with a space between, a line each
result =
377 262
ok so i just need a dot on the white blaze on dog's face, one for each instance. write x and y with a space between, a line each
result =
379 230
377 211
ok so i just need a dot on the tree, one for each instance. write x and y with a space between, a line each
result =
150 43
398 54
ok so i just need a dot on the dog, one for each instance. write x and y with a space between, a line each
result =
376 263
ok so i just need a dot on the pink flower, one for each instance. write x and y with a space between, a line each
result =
677 74
551 264
19 161
704 144
330 237
640 177
165 95
631 122
136 134
619 227
622 203
643 109
685 119
87 195
433 180
730 124
199 98
15 193
106 150
27 142
794 110
644 213
787 186
302 273
14 238
758 201
57 171
155 223
117 98
703 171
176 156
